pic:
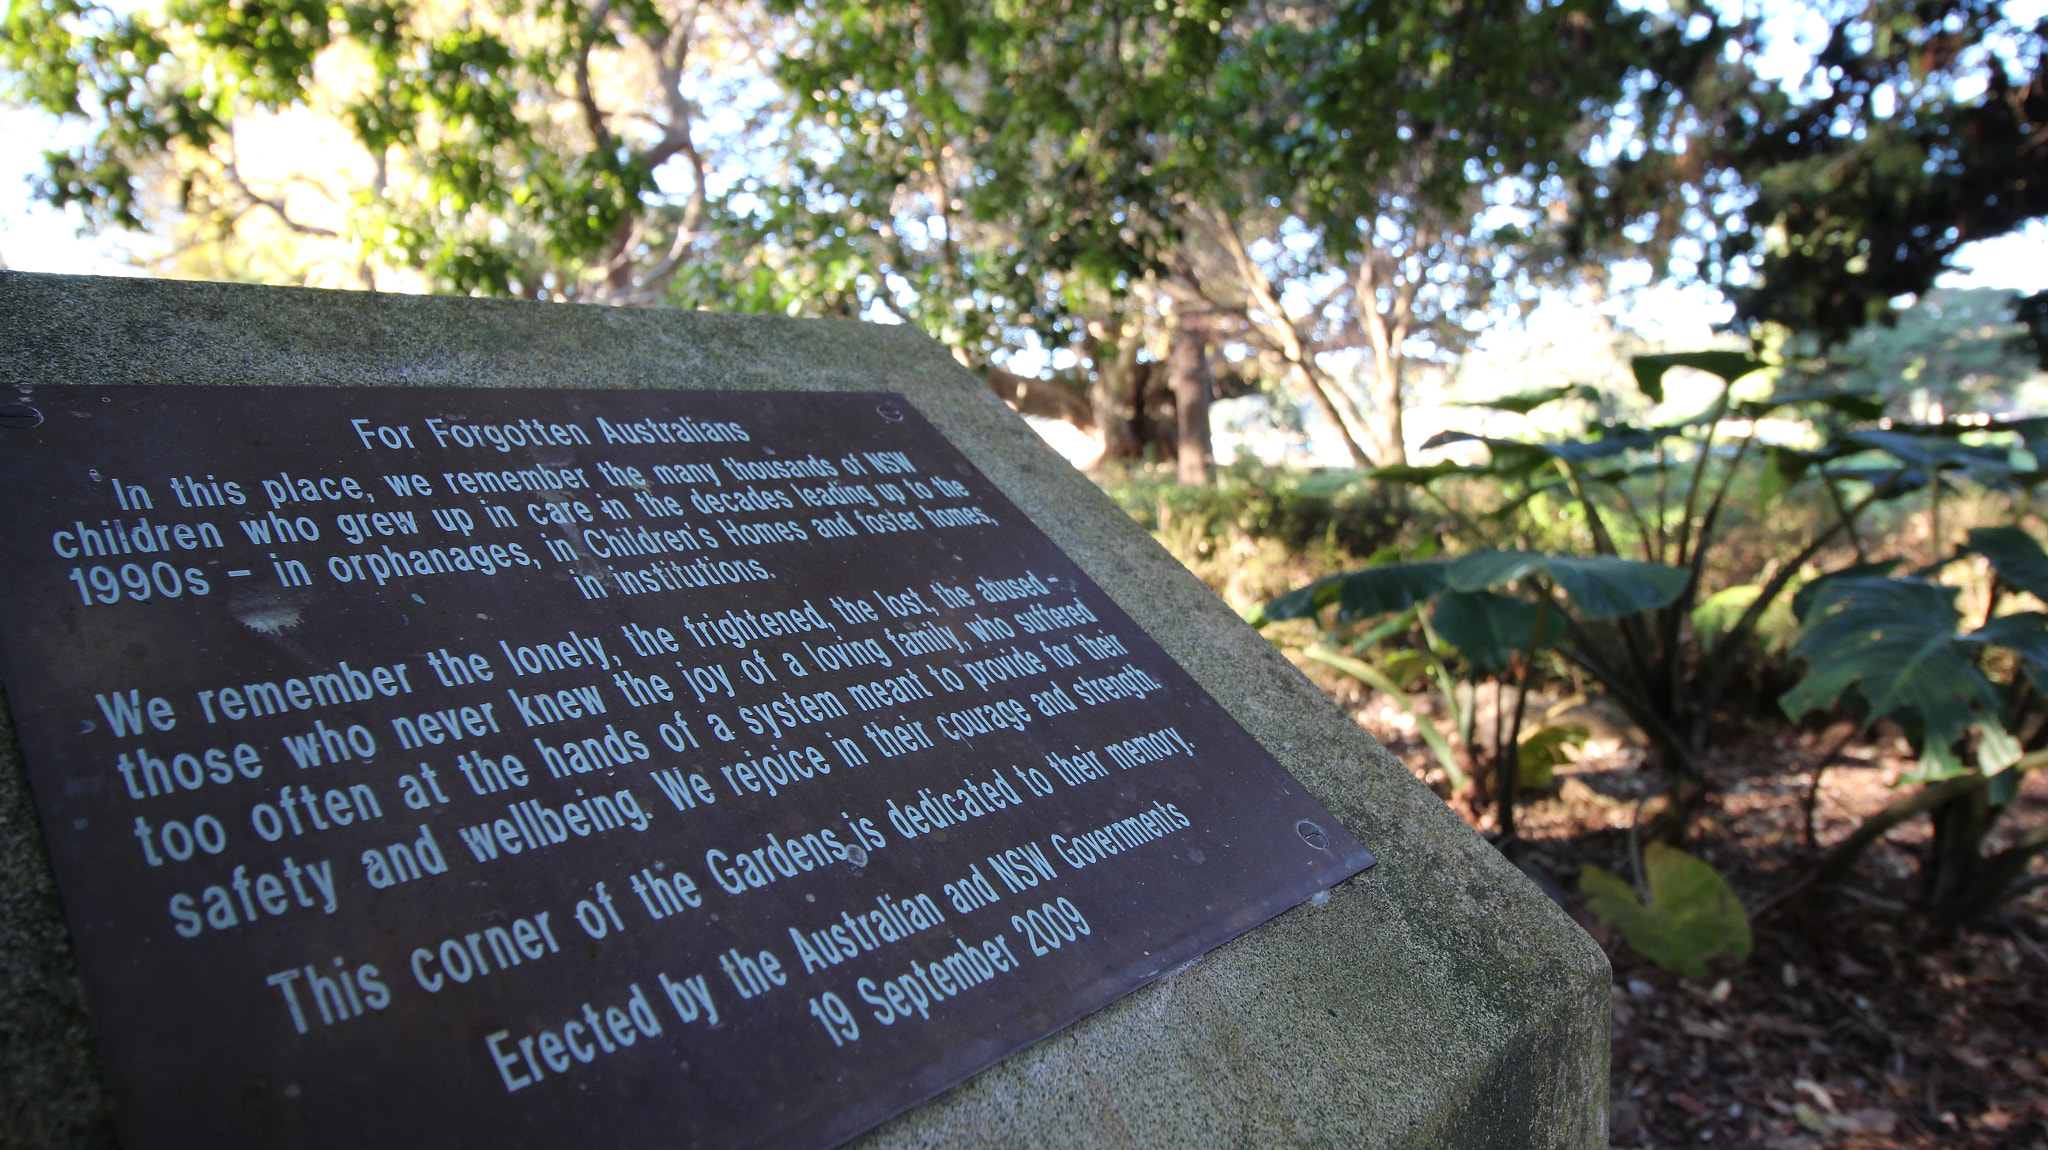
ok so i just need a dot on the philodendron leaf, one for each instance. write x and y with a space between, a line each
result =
1418 476
1893 640
1692 916
1934 450
2025 633
1802 599
1488 627
1512 453
1854 404
2015 555
1599 586
1524 402
1729 365
1541 751
1374 591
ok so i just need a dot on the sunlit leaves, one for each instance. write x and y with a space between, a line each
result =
1691 918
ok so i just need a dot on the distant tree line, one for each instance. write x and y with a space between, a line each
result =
1110 210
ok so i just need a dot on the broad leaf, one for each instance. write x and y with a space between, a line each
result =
1894 641
1692 917
2025 633
1524 402
1802 599
1413 475
2016 557
1935 449
1729 365
1541 752
1855 405
1374 591
1512 452
1487 627
1600 586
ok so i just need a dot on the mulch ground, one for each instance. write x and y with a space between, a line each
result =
1853 1024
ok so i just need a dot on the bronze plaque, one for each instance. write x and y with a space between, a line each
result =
638 768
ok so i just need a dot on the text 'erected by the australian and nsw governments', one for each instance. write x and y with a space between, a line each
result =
518 768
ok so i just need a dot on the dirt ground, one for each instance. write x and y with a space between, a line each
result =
1852 1025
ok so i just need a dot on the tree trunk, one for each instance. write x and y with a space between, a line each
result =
1107 398
1187 366
1392 449
1047 398
1953 870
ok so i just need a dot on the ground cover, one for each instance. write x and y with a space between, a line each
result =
1853 1023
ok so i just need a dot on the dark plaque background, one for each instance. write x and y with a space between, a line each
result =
273 938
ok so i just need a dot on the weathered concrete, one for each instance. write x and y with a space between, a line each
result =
1438 1000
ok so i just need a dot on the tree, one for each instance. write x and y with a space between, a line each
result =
523 149
1815 200
1000 172
1423 146
1953 351
1230 160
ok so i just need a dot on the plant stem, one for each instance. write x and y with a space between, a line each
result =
1842 511
1934 515
1503 773
1812 799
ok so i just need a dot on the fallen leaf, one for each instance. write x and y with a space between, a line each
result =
1970 1058
1715 1030
1689 1104
1871 1120
1816 1091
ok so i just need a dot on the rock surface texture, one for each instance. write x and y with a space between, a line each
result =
1437 1000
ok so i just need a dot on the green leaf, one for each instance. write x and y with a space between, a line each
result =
1853 404
2025 633
1411 475
1366 594
1894 641
1600 586
1524 402
1515 455
1802 599
1935 449
1541 752
1692 916
2015 555
1488 627
1728 365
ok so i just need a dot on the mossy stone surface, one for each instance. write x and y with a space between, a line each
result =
1437 1000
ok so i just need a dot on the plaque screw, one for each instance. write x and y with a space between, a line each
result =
1312 835
19 415
891 412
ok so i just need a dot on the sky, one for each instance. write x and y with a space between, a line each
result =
35 237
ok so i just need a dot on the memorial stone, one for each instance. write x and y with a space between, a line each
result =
501 724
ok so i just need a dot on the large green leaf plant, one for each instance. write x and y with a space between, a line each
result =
1969 698
1663 494
1490 614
